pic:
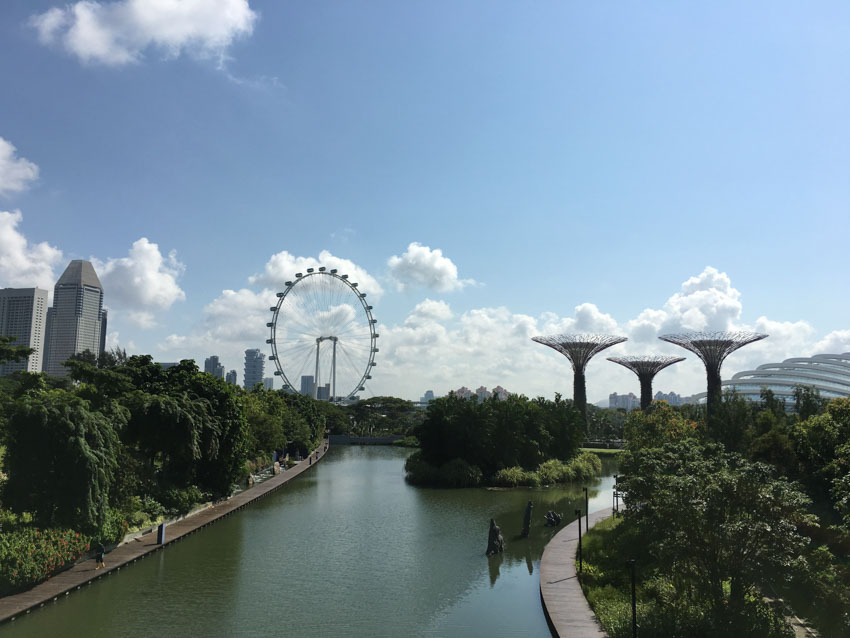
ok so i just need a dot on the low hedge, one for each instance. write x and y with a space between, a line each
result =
29 555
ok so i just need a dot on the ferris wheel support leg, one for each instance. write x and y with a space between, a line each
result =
333 372
316 378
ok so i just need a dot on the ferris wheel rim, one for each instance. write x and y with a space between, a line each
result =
367 311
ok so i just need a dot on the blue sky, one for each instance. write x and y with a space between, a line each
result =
557 154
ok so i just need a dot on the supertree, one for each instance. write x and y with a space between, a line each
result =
646 368
713 348
579 349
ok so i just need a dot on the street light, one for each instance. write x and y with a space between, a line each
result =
586 511
580 558
631 564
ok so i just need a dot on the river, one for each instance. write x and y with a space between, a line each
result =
347 549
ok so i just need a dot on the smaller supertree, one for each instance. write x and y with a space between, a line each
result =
646 368
579 349
713 348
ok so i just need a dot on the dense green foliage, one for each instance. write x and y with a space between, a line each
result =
10 352
662 610
124 443
465 442
718 517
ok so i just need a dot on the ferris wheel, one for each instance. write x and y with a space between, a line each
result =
322 335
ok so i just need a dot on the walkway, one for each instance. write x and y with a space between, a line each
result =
84 573
564 604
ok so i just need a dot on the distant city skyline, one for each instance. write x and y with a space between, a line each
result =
485 175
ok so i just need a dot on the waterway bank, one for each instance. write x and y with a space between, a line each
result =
564 604
84 573
349 549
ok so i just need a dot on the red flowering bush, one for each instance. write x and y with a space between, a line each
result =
29 555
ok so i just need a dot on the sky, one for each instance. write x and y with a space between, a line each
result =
486 171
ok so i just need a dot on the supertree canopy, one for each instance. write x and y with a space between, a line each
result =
579 349
646 368
713 348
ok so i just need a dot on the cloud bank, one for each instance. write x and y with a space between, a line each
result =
16 173
118 33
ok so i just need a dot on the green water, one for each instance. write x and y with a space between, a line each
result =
346 549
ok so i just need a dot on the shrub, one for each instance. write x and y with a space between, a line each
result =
408 441
114 527
515 476
180 500
30 555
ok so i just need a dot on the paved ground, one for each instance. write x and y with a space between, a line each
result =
564 603
84 573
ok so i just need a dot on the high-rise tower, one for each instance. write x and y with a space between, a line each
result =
213 366
74 321
23 314
253 368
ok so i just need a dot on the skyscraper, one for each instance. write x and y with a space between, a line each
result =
268 383
231 377
307 385
254 363
74 321
23 314
213 367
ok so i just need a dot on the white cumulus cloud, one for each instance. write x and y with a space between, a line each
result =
22 264
141 283
283 266
119 32
16 173
419 266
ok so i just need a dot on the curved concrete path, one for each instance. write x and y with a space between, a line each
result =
83 573
567 611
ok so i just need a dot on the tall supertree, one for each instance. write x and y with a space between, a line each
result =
713 348
579 349
646 368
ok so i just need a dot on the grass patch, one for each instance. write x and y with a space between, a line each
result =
598 451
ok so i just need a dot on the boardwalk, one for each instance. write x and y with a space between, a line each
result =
84 573
564 603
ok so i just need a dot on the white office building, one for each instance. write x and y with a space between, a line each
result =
23 315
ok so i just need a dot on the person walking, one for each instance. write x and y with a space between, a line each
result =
98 560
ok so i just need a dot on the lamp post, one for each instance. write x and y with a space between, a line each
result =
616 495
586 511
580 558
631 564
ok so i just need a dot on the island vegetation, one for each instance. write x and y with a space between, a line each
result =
505 442
732 527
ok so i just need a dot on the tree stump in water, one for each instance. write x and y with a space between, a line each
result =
495 542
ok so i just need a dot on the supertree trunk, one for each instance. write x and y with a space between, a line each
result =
714 394
645 391
645 368
580 395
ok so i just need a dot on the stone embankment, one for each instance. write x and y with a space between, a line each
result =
84 573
